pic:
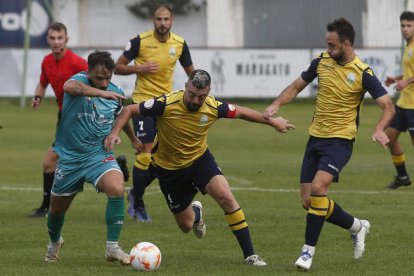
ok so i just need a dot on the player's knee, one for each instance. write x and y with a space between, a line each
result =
143 160
305 202
115 190
49 164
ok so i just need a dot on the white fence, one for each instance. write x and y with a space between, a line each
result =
246 73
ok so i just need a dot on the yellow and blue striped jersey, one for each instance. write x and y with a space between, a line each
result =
182 134
146 47
406 99
341 90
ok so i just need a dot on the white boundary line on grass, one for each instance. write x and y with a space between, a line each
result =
156 190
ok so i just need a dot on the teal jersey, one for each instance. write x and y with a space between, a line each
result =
85 123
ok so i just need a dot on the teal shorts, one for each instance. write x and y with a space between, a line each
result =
69 180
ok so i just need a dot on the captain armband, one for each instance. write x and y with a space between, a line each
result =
232 111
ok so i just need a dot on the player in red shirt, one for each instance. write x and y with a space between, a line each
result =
57 67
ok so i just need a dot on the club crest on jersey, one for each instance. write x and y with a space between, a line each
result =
203 120
172 52
350 78
149 103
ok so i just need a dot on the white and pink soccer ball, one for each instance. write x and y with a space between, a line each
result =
145 256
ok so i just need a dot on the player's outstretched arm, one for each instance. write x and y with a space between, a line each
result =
120 122
78 88
388 112
248 114
286 96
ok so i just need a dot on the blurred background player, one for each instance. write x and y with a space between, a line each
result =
57 67
183 161
343 79
154 54
82 157
404 117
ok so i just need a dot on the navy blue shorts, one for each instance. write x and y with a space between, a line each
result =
325 154
180 186
403 120
145 128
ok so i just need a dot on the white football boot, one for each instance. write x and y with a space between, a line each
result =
115 253
52 253
305 260
199 228
359 239
255 260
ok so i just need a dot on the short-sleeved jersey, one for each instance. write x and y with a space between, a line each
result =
406 99
341 90
85 123
56 72
146 47
181 134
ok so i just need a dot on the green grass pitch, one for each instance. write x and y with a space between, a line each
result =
262 167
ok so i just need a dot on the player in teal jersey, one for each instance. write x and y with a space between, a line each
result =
91 103
184 165
343 80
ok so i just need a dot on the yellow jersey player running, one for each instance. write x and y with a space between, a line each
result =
343 80
184 165
404 117
155 54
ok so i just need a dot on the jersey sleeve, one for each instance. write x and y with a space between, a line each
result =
44 81
226 110
372 84
185 58
131 50
310 74
153 107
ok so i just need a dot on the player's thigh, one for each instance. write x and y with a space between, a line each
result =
68 180
219 189
333 155
105 175
177 188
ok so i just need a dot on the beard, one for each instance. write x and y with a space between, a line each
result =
193 107
162 30
339 58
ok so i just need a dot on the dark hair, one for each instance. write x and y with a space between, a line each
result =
101 58
165 6
343 28
407 15
57 26
200 78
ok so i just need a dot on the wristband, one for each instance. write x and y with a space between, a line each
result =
38 98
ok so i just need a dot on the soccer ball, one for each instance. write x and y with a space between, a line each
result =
145 256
